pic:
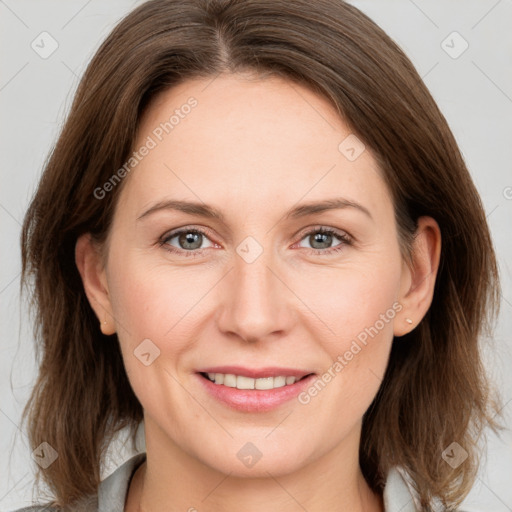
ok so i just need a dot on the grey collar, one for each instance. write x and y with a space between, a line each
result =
113 490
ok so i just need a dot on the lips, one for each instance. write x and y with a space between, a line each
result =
257 373
254 400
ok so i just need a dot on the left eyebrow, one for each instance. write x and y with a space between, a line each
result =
336 203
207 211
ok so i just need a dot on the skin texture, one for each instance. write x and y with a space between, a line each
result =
254 149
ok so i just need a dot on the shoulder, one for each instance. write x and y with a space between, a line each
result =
111 493
87 504
37 508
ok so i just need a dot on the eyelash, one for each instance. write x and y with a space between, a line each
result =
345 239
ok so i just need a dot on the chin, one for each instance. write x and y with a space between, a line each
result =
248 461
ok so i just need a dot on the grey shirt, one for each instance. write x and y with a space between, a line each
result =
398 494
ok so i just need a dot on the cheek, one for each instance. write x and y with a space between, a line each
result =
350 300
155 309
157 302
356 309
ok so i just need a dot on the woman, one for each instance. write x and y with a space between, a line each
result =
256 234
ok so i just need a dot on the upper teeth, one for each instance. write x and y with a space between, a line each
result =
242 382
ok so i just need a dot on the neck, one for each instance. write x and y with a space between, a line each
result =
171 479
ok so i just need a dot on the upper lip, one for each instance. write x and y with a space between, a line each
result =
257 373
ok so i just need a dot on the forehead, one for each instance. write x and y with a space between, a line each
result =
250 143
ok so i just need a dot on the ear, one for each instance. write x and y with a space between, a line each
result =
91 267
419 277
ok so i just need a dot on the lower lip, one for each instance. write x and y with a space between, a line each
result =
254 400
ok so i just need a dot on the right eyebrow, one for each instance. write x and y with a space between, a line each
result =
192 208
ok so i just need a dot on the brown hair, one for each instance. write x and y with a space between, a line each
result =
434 391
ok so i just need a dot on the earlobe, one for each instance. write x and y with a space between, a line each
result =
89 263
419 277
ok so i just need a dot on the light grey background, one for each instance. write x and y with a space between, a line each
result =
473 89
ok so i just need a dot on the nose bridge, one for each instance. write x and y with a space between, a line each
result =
254 302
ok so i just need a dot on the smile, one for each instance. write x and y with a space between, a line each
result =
253 395
243 382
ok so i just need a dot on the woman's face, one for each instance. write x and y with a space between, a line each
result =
257 286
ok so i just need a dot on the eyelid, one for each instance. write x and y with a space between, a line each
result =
323 227
346 239
184 229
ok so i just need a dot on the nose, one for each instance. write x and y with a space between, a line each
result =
254 300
